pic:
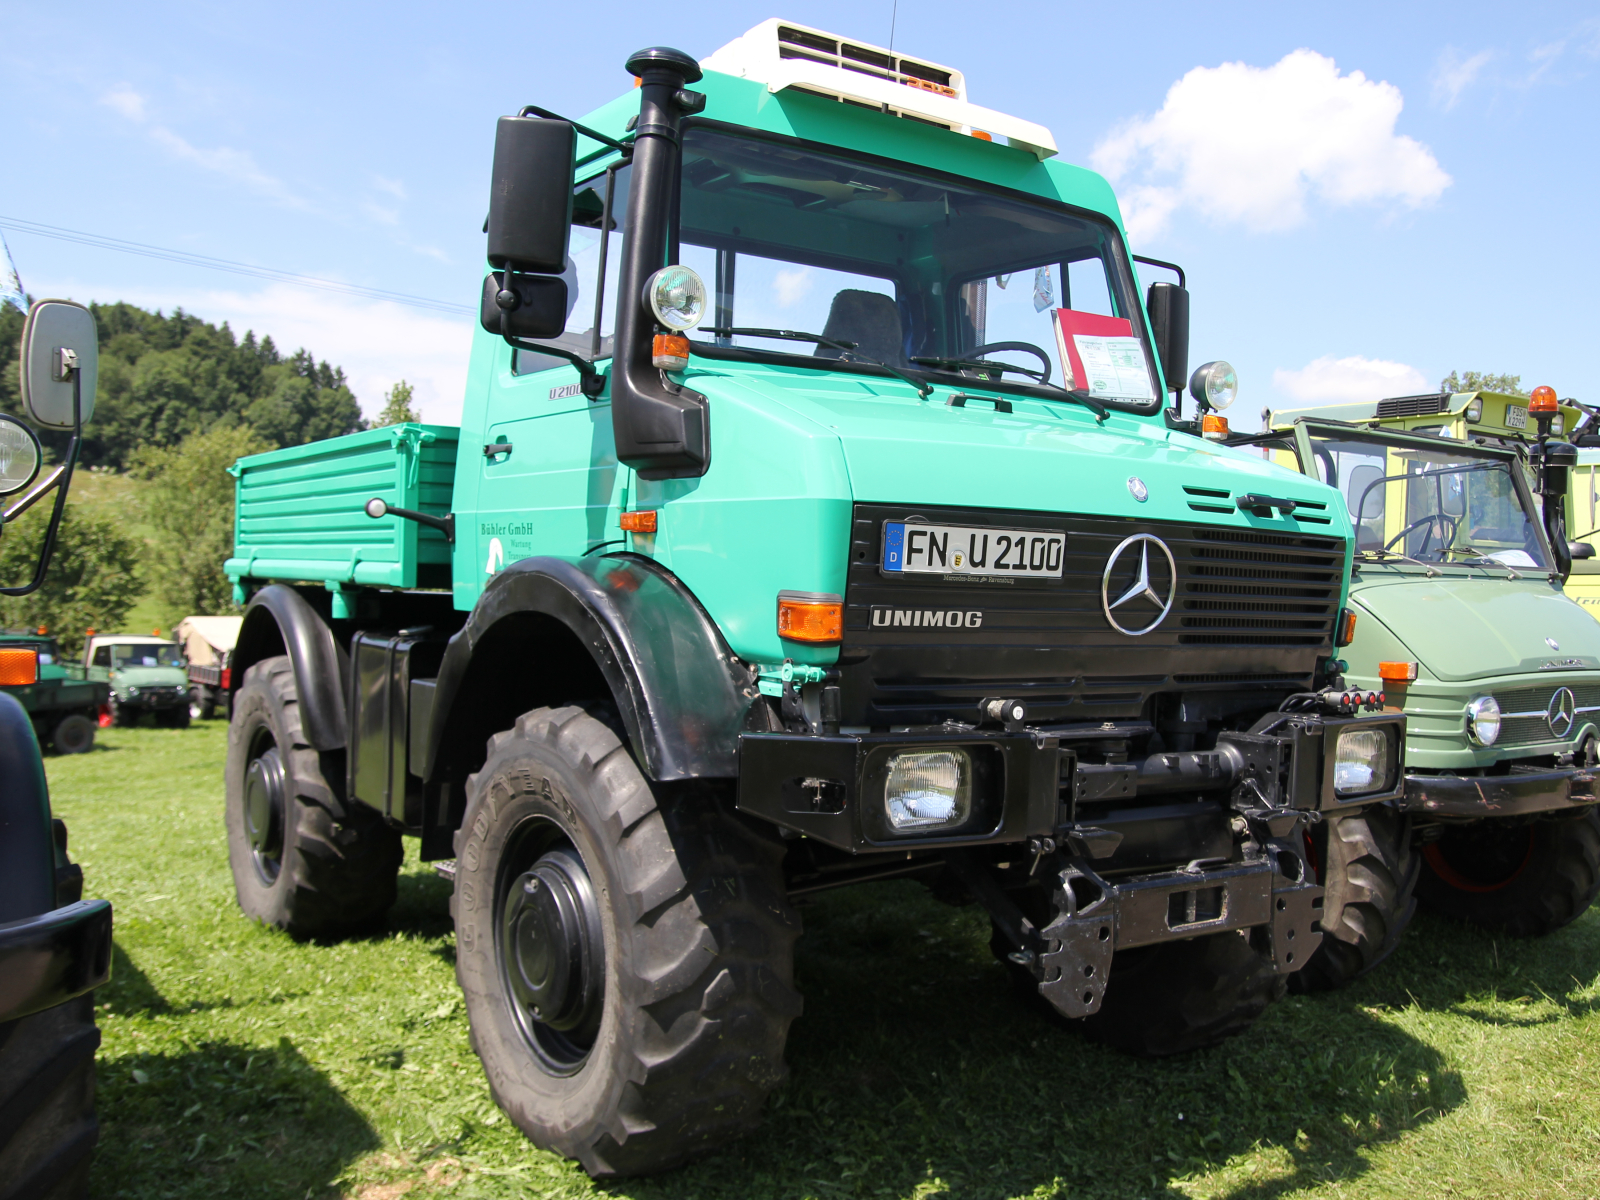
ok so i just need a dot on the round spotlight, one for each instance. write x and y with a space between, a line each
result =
677 297
19 455
1214 384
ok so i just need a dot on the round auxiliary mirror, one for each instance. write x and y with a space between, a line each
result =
19 455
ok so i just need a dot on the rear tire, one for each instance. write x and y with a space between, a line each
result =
1526 879
73 734
48 1127
1178 996
304 860
626 952
1366 862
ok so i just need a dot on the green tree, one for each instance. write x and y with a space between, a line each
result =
93 578
187 498
1482 381
397 407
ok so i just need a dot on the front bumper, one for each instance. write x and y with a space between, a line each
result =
1499 795
51 958
154 699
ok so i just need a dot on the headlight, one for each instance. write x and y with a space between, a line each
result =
1483 720
133 691
1474 410
1361 762
1214 383
1558 425
677 297
928 789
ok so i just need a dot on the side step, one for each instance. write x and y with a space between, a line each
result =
446 868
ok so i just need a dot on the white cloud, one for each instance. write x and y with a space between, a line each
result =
790 287
1453 74
1248 144
126 101
1346 380
393 186
380 214
237 165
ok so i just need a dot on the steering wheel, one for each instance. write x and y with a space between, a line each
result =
1024 347
1446 524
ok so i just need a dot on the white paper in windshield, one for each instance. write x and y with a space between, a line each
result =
1115 367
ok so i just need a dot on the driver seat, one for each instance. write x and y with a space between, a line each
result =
869 319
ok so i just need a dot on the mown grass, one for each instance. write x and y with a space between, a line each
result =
239 1063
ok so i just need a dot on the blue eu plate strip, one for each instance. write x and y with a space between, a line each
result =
894 542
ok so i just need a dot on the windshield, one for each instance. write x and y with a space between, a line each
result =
909 268
1434 506
146 656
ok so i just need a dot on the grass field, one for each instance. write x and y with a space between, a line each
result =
238 1063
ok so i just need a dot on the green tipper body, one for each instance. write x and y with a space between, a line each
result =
792 449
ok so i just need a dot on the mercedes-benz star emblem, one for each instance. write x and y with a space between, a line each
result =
1148 589
1137 488
1552 643
1562 712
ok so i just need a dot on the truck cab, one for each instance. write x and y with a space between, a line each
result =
820 514
145 675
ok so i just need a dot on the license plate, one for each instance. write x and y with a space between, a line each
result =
1516 416
917 549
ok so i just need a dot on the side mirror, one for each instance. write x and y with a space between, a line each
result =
536 305
1580 550
60 358
530 199
1168 305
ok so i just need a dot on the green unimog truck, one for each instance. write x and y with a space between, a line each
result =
145 674
62 702
818 516
1462 623
55 946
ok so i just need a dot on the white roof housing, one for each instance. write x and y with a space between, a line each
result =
783 54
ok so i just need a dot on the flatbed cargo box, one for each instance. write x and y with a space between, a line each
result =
300 512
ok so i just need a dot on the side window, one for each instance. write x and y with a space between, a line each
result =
583 276
102 656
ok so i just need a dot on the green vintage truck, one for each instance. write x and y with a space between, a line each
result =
818 515
146 674
62 702
1463 624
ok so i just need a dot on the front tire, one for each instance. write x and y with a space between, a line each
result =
626 952
303 858
124 715
73 734
1366 862
1527 879
173 718
48 1126
1179 996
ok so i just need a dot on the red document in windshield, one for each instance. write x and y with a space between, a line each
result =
1103 356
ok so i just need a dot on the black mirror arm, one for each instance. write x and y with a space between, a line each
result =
590 381
533 110
445 524
60 479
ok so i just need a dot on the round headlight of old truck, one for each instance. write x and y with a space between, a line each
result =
1214 384
1362 762
1483 720
928 789
19 455
677 297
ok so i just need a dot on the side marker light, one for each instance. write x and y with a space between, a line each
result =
816 618
1347 627
19 666
639 522
1397 672
669 351
1214 427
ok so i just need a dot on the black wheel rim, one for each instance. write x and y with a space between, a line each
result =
551 947
265 790
1482 861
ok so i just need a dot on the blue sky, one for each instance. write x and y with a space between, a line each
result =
1365 196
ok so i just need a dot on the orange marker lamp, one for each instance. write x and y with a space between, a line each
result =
1347 627
816 618
669 351
19 666
1214 427
643 521
1397 672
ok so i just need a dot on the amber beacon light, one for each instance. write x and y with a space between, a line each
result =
1543 401
816 618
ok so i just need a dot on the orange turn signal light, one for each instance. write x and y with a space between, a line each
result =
1214 427
639 522
1543 400
669 351
1347 627
814 617
982 136
1397 672
19 666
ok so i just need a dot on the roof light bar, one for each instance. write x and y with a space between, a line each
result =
784 54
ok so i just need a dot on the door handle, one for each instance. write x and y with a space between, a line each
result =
494 448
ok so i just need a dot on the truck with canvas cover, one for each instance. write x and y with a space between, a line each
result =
817 516
208 649
1461 622
55 946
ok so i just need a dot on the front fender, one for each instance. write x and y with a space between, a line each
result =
679 690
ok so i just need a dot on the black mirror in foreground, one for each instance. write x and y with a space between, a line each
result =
58 367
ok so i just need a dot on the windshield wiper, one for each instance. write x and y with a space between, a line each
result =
1484 561
1041 378
924 389
1380 555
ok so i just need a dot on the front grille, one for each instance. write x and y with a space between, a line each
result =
1535 700
1250 608
1412 406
